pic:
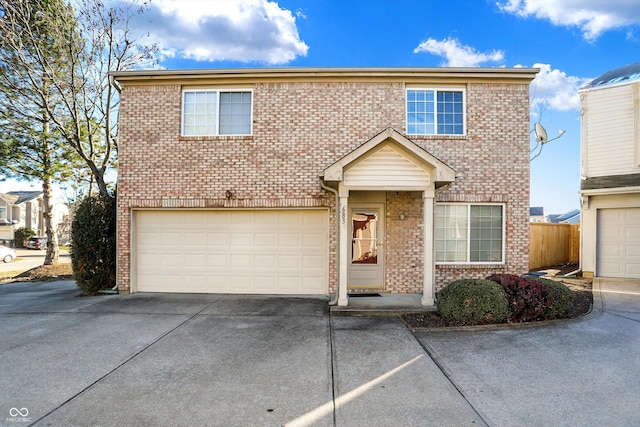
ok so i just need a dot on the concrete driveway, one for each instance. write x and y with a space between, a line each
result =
163 359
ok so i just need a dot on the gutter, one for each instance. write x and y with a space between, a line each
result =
324 186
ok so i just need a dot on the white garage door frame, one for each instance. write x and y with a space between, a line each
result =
289 255
618 242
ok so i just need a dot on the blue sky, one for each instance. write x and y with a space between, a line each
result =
571 41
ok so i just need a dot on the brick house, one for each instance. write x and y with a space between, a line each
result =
321 181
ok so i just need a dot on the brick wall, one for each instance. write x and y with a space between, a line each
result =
299 129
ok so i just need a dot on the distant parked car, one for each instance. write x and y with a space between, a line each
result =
39 243
7 254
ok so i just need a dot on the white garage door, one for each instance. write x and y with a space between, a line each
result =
240 252
618 253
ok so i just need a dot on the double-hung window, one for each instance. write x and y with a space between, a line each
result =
216 112
469 233
435 112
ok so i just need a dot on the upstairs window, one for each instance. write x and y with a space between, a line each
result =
213 113
435 112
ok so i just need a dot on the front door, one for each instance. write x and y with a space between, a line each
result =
366 266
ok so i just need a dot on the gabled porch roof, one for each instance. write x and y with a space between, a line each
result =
390 160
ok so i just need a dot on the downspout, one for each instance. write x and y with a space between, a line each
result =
334 301
114 290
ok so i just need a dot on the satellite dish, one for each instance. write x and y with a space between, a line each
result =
541 134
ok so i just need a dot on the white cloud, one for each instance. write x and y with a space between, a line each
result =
554 89
457 54
224 30
592 17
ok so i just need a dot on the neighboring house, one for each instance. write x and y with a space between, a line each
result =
24 209
320 180
536 214
610 169
571 217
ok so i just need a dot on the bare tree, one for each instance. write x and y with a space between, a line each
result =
106 43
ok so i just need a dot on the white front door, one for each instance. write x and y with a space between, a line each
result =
366 258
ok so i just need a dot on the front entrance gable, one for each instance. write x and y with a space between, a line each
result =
387 166
391 161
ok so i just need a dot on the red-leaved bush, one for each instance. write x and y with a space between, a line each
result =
528 298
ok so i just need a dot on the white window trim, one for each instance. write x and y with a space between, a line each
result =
437 89
218 91
504 235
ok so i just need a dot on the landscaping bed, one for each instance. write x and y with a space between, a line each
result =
45 273
581 304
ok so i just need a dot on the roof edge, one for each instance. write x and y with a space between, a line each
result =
303 72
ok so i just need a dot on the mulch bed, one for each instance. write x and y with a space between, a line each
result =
45 273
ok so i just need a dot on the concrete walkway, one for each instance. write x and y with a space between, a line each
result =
183 359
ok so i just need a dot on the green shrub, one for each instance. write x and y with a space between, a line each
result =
562 299
21 235
93 254
473 302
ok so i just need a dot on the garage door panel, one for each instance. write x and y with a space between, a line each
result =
288 284
289 261
309 261
289 240
198 261
633 270
266 252
265 261
241 261
241 239
632 233
313 284
169 262
265 240
221 218
309 239
265 284
267 218
218 239
217 283
217 260
242 218
618 243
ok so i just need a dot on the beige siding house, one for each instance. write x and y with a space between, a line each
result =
20 209
610 169
321 181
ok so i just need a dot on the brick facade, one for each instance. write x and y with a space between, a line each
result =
301 127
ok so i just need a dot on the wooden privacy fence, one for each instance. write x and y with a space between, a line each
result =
552 244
